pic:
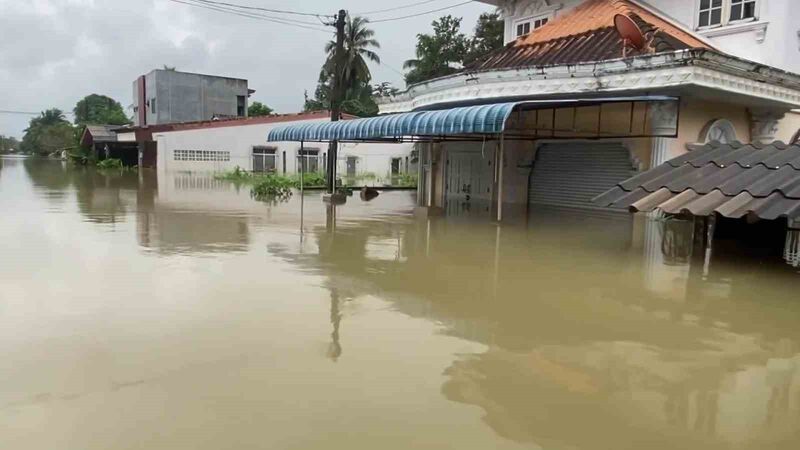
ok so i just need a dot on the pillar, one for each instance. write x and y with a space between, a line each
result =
764 125
663 121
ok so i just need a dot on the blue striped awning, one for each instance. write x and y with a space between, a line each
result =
483 119
462 121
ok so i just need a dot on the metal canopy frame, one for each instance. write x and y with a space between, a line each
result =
436 125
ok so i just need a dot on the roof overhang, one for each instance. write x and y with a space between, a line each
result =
478 122
705 69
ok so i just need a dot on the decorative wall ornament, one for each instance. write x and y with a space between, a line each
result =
764 125
718 130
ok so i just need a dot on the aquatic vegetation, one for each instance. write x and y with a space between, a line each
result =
110 164
405 180
272 187
239 175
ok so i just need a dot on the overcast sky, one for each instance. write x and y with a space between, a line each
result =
55 52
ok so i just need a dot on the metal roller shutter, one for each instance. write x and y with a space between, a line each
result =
569 175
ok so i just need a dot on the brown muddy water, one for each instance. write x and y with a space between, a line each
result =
177 313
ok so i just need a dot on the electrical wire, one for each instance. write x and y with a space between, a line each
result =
27 113
411 5
392 19
258 8
282 21
208 4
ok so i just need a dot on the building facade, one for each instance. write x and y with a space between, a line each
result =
169 96
224 145
563 51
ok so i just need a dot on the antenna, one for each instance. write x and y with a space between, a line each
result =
630 33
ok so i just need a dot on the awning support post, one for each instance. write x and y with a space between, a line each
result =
420 174
429 182
500 164
332 157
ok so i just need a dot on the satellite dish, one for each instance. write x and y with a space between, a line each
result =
630 33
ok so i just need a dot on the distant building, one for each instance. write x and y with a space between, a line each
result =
225 144
169 96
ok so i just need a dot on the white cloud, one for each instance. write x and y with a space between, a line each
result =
54 52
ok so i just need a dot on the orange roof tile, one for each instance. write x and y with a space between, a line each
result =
597 14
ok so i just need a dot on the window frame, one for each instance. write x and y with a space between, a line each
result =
725 14
531 21
265 152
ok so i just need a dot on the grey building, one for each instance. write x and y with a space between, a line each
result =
169 96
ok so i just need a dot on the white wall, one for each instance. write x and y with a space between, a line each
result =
240 140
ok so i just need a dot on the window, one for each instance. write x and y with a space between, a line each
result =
743 9
240 105
524 27
201 155
715 13
710 13
153 105
309 160
265 159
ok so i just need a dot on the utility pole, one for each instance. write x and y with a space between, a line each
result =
337 92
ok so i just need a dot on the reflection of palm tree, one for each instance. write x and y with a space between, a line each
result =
335 347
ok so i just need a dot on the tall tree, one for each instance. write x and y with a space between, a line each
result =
258 109
98 109
359 48
489 36
438 54
47 133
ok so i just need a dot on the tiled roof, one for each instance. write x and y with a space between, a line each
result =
732 180
587 34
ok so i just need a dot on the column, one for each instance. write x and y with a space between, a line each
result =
663 121
764 125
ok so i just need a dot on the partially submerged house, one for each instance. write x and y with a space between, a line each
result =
103 143
224 145
568 108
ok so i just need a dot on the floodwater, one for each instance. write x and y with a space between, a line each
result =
178 313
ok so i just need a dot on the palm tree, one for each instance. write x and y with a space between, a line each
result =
358 42
52 117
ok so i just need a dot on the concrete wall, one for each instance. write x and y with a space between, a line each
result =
240 140
189 97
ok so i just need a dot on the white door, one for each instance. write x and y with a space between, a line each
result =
469 182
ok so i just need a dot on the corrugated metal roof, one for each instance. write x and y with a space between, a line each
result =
587 34
461 121
483 119
102 133
733 180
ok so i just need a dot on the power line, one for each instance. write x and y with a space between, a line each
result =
288 22
205 4
257 8
28 113
378 11
421 14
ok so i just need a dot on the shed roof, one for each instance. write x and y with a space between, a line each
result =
102 133
732 180
586 34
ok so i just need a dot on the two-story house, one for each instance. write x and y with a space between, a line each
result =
729 65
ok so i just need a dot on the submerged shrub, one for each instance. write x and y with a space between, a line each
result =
110 163
272 187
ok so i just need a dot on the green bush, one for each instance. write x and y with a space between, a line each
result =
237 175
310 180
405 180
109 164
272 187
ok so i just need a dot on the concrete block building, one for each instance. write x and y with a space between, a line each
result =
168 96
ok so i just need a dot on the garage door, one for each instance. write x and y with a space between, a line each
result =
570 175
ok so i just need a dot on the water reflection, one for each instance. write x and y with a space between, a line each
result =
568 332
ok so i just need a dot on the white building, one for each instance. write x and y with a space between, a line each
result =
223 145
